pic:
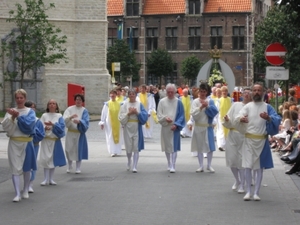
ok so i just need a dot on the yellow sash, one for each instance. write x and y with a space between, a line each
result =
50 138
256 136
225 104
153 114
144 101
114 108
73 131
120 98
186 101
22 139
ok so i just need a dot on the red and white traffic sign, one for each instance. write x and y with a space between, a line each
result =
275 53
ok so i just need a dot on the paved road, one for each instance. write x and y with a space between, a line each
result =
105 193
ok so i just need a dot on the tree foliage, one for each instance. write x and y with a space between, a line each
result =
35 41
190 67
292 5
278 26
120 52
160 63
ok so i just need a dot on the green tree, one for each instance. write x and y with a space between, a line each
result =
120 52
35 41
278 26
190 67
160 63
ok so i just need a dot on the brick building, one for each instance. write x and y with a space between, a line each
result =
186 27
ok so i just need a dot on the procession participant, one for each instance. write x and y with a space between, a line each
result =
37 137
235 141
120 97
109 121
132 116
147 99
203 112
170 114
52 153
77 121
186 102
256 120
162 92
222 132
19 124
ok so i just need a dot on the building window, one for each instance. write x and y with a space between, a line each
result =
216 37
194 38
171 38
238 38
152 38
133 39
194 6
111 36
152 79
172 77
132 7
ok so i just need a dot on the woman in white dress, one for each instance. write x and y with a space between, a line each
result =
52 153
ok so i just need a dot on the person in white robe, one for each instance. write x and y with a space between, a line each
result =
186 101
170 114
256 120
110 123
147 99
234 143
132 116
77 121
19 125
203 111
52 153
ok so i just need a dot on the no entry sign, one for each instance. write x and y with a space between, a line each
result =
275 53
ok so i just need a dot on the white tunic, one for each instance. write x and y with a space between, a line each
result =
167 108
112 147
199 140
16 149
252 148
235 139
72 138
130 123
47 144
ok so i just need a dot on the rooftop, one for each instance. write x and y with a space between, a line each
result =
213 6
159 7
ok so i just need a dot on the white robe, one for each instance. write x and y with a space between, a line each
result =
130 123
199 142
47 145
252 148
112 147
72 138
150 107
167 108
235 139
16 149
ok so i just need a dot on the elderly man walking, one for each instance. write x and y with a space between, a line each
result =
170 115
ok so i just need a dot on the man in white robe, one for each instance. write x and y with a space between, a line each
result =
235 142
111 125
256 120
147 99
170 114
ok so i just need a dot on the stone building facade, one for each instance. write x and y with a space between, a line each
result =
186 27
84 22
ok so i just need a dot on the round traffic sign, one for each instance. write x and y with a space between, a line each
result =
275 53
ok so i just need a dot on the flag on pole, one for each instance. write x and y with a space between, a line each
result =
120 30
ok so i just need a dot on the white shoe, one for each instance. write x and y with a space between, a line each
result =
30 190
69 169
210 169
25 195
247 197
78 171
256 198
172 170
241 190
17 199
200 170
134 170
235 186
44 183
52 182
113 155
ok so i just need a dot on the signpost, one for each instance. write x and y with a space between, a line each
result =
275 53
